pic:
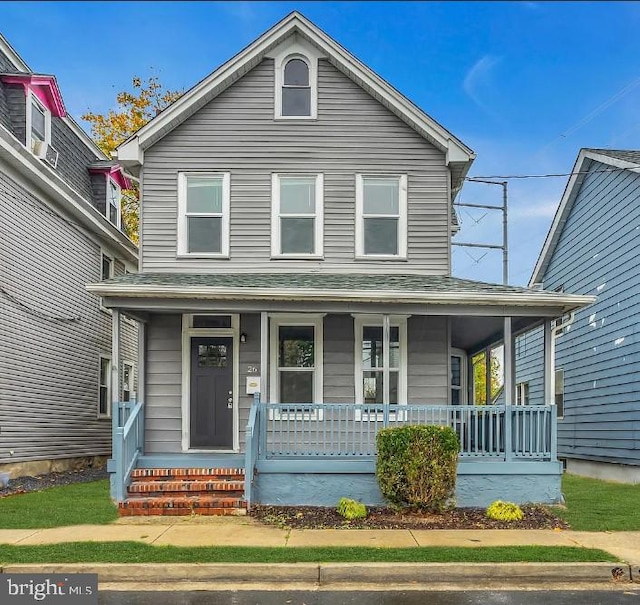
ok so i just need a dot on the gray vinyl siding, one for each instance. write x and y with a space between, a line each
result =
49 367
16 105
99 192
163 389
597 254
428 365
5 116
427 370
236 132
73 159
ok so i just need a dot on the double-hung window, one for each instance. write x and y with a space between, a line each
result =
113 202
203 214
296 354
381 216
39 123
297 215
127 381
104 397
522 393
381 358
458 375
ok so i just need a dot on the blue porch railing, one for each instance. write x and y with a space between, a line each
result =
128 442
347 430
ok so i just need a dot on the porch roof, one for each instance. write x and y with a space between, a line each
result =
334 287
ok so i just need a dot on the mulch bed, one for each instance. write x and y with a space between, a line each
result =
22 485
315 517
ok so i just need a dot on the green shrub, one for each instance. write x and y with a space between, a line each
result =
505 511
351 509
417 465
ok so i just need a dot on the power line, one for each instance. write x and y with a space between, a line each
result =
477 179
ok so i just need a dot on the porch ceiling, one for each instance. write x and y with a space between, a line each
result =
353 288
473 333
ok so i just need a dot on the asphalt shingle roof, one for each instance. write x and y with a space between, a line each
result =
320 281
628 155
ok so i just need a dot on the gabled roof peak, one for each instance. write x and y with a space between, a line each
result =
458 155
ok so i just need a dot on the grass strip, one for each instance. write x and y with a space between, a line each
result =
136 552
76 504
595 505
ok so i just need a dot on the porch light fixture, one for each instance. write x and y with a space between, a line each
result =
243 337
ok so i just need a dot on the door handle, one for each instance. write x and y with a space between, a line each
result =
230 402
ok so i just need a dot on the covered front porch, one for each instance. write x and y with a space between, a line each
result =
294 384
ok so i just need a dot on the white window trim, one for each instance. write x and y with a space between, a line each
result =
296 319
395 321
182 215
296 52
104 253
402 218
30 98
187 333
108 385
132 390
318 216
110 182
463 374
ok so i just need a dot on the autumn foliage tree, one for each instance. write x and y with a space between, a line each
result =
479 364
134 109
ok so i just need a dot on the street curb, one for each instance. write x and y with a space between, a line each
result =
337 574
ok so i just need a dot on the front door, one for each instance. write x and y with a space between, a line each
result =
211 392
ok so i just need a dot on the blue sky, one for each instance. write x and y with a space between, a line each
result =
525 84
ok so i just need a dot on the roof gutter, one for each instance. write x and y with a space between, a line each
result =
567 302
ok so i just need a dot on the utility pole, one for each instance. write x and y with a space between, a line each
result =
505 242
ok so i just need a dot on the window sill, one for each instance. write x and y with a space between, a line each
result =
103 417
197 255
106 310
297 257
384 257
296 118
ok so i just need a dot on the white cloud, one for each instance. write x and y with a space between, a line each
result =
478 80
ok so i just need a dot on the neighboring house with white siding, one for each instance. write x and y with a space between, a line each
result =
59 230
296 293
592 248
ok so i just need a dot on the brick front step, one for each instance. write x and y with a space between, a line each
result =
188 474
185 491
187 485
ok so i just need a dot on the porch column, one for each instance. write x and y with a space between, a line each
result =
487 375
115 360
142 375
508 363
549 363
508 389
264 355
386 340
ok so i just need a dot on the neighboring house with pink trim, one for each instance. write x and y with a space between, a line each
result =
60 227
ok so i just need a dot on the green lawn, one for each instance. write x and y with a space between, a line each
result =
75 504
594 505
136 552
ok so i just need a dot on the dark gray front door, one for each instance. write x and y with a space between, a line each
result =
212 393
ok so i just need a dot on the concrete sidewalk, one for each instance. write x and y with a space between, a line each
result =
243 531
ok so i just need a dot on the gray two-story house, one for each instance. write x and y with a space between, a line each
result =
59 230
296 294
592 248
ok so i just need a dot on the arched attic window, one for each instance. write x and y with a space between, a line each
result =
296 88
